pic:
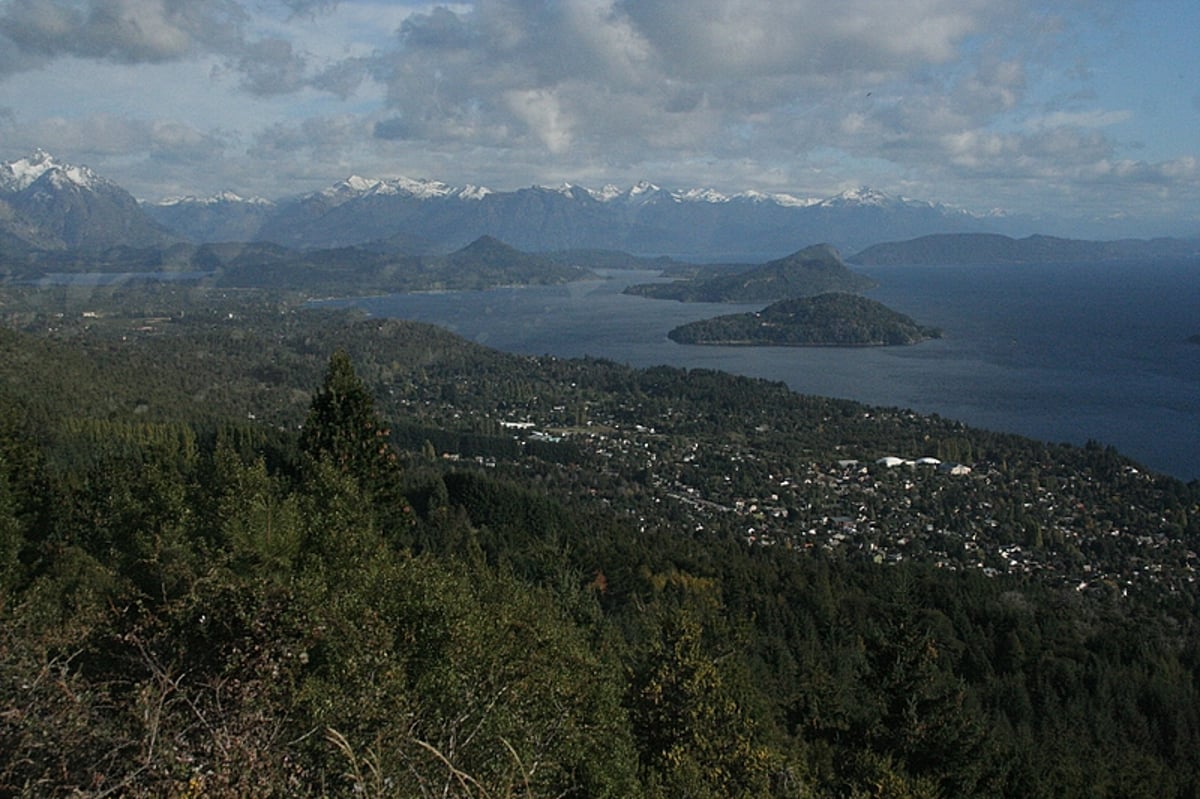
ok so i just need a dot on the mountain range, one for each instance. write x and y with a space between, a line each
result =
430 216
49 205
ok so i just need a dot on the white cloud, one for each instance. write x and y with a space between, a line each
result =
542 114
714 39
126 31
1091 118
951 99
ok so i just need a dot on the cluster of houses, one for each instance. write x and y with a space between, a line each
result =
892 461
886 508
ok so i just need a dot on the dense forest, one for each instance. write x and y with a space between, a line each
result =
248 548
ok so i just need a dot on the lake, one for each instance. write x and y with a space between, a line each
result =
1058 352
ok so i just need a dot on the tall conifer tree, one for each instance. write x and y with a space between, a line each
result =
343 429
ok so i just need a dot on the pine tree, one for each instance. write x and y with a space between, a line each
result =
343 430
342 425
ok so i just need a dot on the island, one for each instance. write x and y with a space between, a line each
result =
809 272
827 320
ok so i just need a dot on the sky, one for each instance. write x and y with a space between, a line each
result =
1075 110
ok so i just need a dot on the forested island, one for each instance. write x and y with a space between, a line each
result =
827 320
253 549
811 271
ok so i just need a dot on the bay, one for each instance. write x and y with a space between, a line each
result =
1059 352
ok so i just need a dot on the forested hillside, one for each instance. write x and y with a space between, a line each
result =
250 549
806 273
826 320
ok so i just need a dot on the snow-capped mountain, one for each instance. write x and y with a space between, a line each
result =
48 204
224 216
213 199
19 175
53 205
356 187
418 215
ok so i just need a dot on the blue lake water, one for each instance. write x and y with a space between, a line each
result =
1056 352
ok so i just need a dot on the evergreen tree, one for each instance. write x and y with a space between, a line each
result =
342 425
343 430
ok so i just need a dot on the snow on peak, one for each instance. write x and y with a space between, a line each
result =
701 196
22 173
425 189
862 195
643 187
220 197
472 192
785 200
607 193
347 190
421 189
356 186
565 188
353 184
866 196
645 191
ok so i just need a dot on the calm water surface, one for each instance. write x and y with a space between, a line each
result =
1056 352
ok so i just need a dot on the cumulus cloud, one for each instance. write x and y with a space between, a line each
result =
156 31
1091 118
310 7
271 66
628 81
716 39
798 95
128 31
936 90
99 135
320 137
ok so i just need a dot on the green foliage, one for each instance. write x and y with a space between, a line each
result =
200 603
343 430
827 320
342 425
695 738
256 518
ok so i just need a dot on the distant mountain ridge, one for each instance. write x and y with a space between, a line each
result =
47 205
432 216
984 248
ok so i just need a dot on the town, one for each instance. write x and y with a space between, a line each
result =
1049 522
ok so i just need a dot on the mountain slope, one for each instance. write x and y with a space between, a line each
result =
222 217
811 271
55 205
